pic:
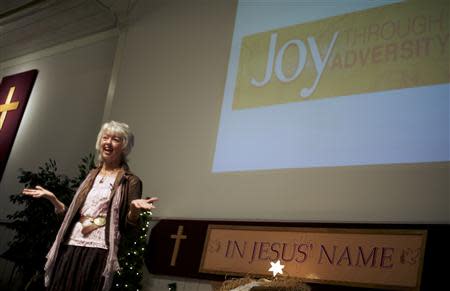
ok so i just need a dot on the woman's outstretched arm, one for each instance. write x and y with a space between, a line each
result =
40 192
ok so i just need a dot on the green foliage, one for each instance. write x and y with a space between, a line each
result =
36 224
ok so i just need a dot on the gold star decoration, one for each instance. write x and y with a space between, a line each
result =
277 268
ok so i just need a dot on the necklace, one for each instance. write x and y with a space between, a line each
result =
107 175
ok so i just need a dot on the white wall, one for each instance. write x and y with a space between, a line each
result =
65 109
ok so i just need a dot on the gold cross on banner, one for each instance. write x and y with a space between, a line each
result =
178 237
8 106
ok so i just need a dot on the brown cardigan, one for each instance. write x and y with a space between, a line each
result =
127 187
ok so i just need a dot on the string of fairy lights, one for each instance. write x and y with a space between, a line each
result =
131 256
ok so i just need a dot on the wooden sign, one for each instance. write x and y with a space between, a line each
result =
374 258
184 248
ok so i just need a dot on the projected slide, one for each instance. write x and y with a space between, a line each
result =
336 83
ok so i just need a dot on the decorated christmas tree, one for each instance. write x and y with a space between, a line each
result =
131 256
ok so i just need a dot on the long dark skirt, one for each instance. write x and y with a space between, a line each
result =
78 268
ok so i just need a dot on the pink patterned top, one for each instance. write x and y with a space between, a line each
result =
96 204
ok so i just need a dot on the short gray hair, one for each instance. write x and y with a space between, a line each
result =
121 129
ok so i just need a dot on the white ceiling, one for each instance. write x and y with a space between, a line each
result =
30 25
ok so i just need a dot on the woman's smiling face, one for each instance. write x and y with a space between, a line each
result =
111 147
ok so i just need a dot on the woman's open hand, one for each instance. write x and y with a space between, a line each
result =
138 205
143 204
38 192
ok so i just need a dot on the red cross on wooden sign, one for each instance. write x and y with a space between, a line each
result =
14 93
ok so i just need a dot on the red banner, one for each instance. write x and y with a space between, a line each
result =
14 93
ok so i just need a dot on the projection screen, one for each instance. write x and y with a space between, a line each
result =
337 83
